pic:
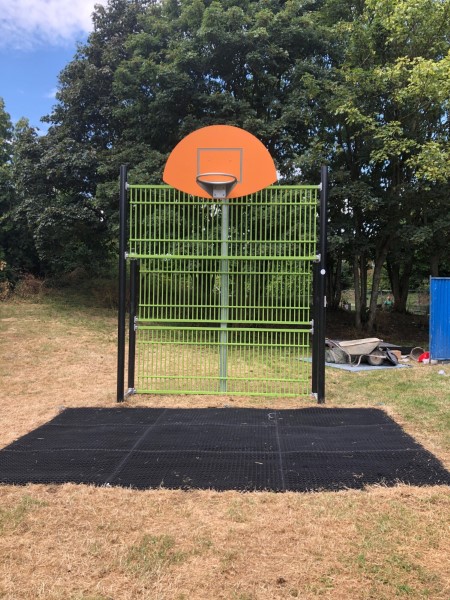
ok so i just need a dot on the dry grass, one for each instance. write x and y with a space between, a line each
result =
84 543
81 542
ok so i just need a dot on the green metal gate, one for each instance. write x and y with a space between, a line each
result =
224 294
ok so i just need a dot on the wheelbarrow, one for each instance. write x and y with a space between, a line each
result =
353 351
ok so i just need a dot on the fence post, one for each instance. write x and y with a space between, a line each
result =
321 286
122 284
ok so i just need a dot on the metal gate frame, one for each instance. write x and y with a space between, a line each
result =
162 323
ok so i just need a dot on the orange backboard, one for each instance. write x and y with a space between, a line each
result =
220 149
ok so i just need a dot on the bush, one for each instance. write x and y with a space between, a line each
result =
5 289
5 284
30 287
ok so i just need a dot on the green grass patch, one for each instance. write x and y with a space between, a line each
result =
153 553
13 516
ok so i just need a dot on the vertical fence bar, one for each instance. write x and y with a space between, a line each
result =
122 284
224 300
134 275
323 219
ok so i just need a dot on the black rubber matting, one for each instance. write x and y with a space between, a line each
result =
222 449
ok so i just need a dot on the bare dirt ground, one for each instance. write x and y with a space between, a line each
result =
75 542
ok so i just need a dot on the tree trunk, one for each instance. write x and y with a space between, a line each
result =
434 265
334 284
400 283
376 278
363 283
357 284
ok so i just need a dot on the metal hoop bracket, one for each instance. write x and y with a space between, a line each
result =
216 189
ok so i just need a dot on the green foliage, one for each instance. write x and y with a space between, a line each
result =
6 187
389 132
45 231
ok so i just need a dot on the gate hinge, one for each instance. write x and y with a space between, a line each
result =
127 186
129 392
126 255
135 323
312 326
319 187
317 258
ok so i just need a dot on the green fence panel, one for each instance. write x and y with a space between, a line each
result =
224 306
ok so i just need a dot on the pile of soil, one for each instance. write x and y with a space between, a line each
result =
391 327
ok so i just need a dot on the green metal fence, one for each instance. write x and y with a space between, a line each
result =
224 291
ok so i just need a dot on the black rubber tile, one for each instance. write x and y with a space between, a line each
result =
93 417
206 437
307 471
332 417
69 466
57 437
345 438
220 416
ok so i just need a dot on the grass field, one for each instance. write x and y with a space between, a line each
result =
83 543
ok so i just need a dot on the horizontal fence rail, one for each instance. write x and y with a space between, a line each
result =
224 306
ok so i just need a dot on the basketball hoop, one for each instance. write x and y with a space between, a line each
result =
217 185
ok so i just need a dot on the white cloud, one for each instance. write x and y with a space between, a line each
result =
52 93
25 24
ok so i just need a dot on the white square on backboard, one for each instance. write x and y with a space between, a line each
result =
220 160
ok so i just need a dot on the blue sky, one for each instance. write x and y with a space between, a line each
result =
37 39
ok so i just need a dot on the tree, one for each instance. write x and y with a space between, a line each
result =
87 140
16 252
389 129
6 193
6 188
54 232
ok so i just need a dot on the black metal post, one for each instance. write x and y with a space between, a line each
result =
134 278
122 284
322 288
